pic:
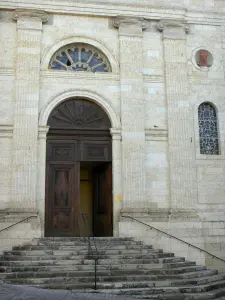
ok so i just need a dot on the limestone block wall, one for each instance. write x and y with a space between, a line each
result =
157 171
22 234
190 231
155 89
107 86
7 41
99 29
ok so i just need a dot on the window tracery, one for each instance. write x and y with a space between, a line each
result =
80 57
208 129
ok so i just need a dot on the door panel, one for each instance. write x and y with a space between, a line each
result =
96 151
62 151
62 203
103 224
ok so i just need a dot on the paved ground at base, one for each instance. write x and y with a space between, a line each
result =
18 292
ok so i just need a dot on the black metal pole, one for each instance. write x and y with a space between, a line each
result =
96 273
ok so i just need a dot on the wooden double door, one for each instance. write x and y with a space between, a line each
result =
79 136
63 215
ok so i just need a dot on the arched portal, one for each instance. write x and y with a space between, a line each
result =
78 171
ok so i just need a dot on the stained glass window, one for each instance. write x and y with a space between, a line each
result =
80 57
208 129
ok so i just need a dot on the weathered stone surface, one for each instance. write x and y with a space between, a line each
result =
151 96
143 273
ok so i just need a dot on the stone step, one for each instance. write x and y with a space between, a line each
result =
61 255
81 247
215 294
33 262
79 265
190 275
85 239
147 291
161 257
81 252
171 296
198 280
115 281
109 276
132 291
73 284
203 288
168 296
150 269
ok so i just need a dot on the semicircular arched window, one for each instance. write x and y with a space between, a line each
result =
208 129
80 57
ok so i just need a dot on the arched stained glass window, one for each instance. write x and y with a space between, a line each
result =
208 129
80 57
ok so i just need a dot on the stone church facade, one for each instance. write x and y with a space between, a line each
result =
111 109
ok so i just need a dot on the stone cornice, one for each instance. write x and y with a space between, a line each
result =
130 26
156 134
7 72
65 75
146 9
130 21
173 29
39 14
166 24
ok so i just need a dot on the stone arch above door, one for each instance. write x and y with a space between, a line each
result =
94 97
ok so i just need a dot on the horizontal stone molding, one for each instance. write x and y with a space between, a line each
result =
59 74
13 216
28 13
206 81
209 15
160 215
156 134
6 131
153 78
7 72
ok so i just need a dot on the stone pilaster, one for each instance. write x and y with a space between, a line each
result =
132 111
25 129
117 184
42 137
183 186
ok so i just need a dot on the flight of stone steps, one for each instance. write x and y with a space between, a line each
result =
125 267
